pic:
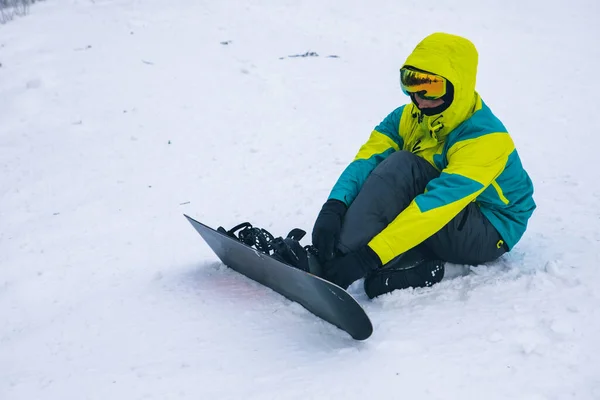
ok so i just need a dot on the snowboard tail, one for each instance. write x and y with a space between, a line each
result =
319 296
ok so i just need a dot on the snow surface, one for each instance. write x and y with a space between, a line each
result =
117 116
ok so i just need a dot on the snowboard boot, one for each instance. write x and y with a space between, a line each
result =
415 268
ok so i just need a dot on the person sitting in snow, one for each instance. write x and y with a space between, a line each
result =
439 180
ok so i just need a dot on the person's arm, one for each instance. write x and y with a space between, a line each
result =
473 165
384 140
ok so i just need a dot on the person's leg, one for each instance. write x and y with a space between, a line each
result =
469 238
388 190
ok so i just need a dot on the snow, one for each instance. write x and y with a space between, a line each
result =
117 116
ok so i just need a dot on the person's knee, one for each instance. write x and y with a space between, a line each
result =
399 159
405 170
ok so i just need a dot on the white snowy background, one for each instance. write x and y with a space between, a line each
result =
118 116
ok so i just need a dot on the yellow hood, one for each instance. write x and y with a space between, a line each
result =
455 58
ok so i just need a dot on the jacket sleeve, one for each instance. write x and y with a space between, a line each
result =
384 140
473 165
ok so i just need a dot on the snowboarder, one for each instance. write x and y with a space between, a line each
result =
439 180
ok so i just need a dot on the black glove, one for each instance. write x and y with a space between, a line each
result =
355 265
326 232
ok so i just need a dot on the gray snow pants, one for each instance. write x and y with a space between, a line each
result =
469 238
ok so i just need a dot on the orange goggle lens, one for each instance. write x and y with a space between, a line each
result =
426 85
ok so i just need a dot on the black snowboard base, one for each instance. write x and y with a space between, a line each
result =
322 298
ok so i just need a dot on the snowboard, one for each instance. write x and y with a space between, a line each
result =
319 296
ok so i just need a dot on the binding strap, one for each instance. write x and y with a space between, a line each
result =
251 236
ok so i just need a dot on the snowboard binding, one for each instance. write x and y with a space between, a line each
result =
258 238
287 250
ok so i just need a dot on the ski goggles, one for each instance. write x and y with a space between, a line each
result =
427 86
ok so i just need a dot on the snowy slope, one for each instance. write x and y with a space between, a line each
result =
117 116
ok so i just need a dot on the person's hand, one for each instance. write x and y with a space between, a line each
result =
355 265
326 232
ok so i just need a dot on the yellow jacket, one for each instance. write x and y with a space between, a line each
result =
466 143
